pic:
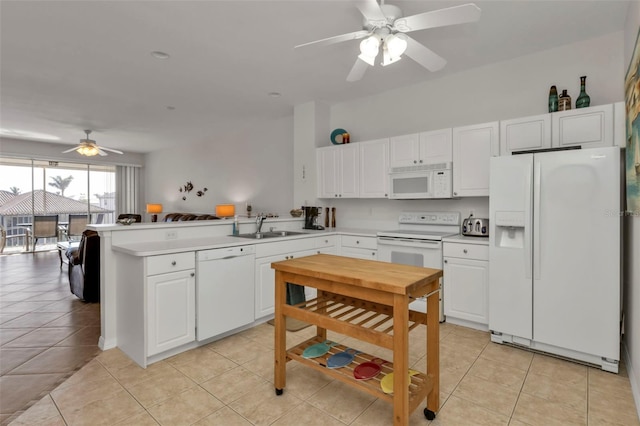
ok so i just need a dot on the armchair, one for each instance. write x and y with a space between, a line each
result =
42 227
84 267
77 224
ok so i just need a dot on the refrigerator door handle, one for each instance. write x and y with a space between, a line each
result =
527 221
536 220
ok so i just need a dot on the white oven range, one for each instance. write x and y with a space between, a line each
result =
418 242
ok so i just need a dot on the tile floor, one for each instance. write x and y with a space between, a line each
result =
230 382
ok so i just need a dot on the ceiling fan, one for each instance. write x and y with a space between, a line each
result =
89 147
385 27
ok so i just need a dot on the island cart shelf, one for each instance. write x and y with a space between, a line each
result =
367 300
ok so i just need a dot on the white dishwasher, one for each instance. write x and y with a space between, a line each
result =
224 290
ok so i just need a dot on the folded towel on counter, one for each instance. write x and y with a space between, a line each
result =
295 294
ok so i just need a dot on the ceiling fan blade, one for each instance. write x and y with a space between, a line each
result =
69 150
336 39
101 152
358 70
111 150
372 12
424 56
438 18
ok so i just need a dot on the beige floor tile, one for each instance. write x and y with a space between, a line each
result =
557 390
610 383
142 419
110 409
380 413
606 408
44 412
223 417
131 373
201 364
10 358
262 406
559 369
9 334
232 384
457 411
18 391
160 387
470 333
508 355
262 365
186 408
306 414
472 345
262 335
304 381
498 373
497 398
92 372
113 359
535 411
450 378
237 348
341 401
453 357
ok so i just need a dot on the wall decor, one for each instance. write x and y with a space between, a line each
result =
632 100
188 187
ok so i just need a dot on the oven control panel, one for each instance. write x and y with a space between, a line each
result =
430 218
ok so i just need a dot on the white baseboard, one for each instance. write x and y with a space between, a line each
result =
635 383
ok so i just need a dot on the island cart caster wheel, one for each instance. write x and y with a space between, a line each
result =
279 392
430 415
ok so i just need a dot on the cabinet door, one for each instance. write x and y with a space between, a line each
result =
328 163
435 146
265 285
404 150
349 183
171 320
374 169
473 146
525 133
466 289
590 127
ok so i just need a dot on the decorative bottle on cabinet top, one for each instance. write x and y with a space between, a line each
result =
553 99
564 102
583 100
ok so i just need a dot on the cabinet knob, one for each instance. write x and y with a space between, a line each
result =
318 251
415 162
193 274
286 258
173 263
464 250
446 261
420 161
357 241
335 195
455 193
326 241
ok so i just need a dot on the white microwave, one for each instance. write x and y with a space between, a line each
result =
420 182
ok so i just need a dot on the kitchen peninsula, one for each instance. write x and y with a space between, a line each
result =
149 273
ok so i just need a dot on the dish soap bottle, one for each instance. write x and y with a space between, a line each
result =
236 227
583 100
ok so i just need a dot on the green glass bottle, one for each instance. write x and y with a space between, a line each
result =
553 99
583 100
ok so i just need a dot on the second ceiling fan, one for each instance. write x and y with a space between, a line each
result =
384 28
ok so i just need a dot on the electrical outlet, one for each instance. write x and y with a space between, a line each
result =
171 235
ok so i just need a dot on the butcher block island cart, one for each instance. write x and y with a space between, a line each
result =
367 300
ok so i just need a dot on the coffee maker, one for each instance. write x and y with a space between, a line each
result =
311 217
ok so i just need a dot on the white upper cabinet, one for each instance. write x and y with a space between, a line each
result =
338 171
589 127
525 133
420 148
374 168
473 146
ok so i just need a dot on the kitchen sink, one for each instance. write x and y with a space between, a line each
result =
271 234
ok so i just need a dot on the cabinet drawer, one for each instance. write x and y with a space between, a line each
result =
327 241
170 263
466 251
359 242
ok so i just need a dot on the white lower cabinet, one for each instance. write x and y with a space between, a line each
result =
466 284
275 252
171 310
171 302
359 247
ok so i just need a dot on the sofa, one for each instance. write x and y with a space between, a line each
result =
84 267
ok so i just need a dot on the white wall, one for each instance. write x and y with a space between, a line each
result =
632 246
515 88
250 163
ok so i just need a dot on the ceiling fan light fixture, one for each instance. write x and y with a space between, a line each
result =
387 59
87 150
395 44
370 46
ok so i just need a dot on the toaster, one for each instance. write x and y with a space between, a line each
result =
475 227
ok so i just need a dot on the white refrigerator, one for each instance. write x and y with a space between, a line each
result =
555 253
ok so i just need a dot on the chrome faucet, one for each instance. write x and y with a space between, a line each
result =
259 219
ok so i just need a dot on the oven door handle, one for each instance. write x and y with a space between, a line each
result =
409 242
